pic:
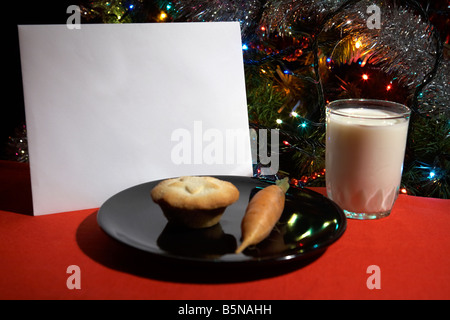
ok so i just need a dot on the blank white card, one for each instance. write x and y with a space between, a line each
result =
109 106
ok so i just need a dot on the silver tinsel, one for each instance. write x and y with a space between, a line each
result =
280 15
276 16
403 46
246 12
434 100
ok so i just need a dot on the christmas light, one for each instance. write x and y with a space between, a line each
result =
279 121
389 87
365 76
162 16
432 175
303 125
358 44
294 114
244 47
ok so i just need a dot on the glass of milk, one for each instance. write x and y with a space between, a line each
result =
365 148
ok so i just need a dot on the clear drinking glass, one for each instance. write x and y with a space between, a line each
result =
365 149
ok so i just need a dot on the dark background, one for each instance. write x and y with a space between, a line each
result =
12 113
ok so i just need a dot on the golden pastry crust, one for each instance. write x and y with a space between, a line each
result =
194 201
192 193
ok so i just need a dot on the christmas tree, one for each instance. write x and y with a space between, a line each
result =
299 55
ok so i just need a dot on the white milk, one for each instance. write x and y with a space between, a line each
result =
364 159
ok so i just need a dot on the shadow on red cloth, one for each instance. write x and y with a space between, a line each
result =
96 244
15 187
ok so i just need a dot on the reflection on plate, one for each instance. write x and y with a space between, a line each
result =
309 224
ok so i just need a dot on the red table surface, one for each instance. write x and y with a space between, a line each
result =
411 248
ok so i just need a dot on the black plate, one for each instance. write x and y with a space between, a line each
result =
310 223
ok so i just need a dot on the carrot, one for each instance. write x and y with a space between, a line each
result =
262 213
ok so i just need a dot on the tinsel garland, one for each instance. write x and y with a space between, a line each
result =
405 46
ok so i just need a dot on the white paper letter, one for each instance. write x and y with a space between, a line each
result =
274 151
235 144
198 142
136 95
213 152
374 281
181 152
254 145
73 22
74 281
374 21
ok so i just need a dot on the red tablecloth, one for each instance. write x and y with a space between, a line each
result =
411 248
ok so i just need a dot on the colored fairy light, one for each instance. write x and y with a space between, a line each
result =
131 6
162 16
294 114
389 87
328 60
358 44
293 219
432 175
279 121
169 6
303 125
365 76
244 47
403 190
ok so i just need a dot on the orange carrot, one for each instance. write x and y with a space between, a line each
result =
262 213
